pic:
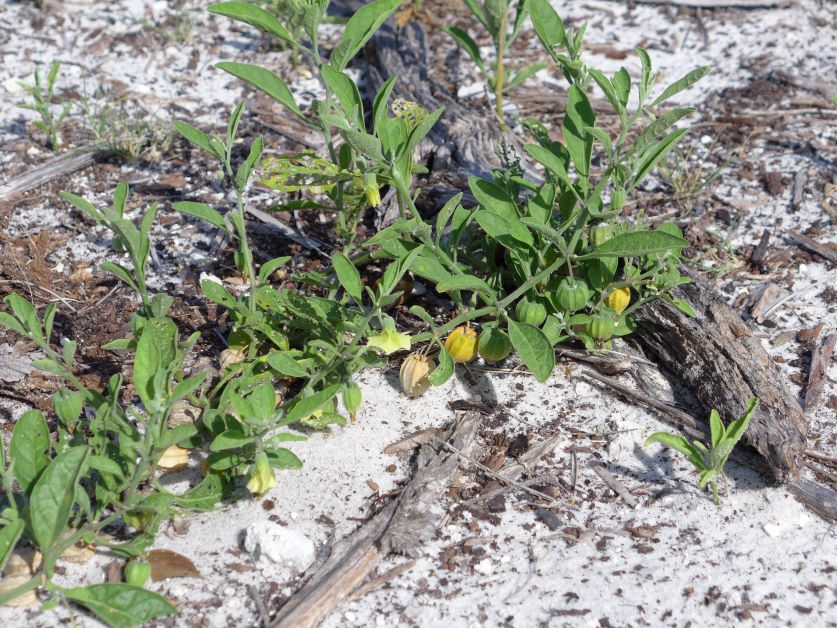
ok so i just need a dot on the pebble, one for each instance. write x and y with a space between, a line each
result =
269 542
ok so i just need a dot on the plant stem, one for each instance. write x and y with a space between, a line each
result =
499 77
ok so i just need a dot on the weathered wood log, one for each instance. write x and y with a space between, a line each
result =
714 355
52 169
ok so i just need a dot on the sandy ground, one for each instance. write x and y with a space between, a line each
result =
759 557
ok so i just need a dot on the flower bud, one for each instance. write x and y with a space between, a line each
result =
461 343
414 372
370 187
261 477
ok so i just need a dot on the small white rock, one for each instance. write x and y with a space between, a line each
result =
350 616
271 542
485 567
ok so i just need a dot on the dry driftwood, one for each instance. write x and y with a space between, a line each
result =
52 169
400 527
716 356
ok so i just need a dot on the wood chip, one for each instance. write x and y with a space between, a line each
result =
820 360
823 250
615 485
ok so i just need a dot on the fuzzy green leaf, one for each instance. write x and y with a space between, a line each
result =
534 349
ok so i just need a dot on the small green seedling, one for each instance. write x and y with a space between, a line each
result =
503 25
42 104
710 462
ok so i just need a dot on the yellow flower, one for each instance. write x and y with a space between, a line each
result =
618 300
261 478
461 343
389 340
370 186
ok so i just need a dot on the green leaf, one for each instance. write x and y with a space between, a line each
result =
215 292
716 427
283 458
657 128
422 129
497 226
682 83
202 211
534 349
444 371
284 364
199 139
9 321
83 205
268 268
155 351
121 605
120 272
379 106
637 243
308 405
25 313
347 93
367 145
465 282
525 73
9 536
548 25
264 80
550 161
468 45
609 91
651 157
360 27
445 214
348 276
579 114
230 439
492 196
254 16
104 464
29 448
678 443
242 175
52 496
683 306
736 429
263 401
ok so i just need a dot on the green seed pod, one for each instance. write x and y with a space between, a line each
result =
352 398
600 234
137 572
494 345
572 294
530 312
601 328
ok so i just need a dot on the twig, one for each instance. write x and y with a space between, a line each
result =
52 169
815 247
381 580
30 284
822 457
615 485
816 377
830 277
265 618
496 475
